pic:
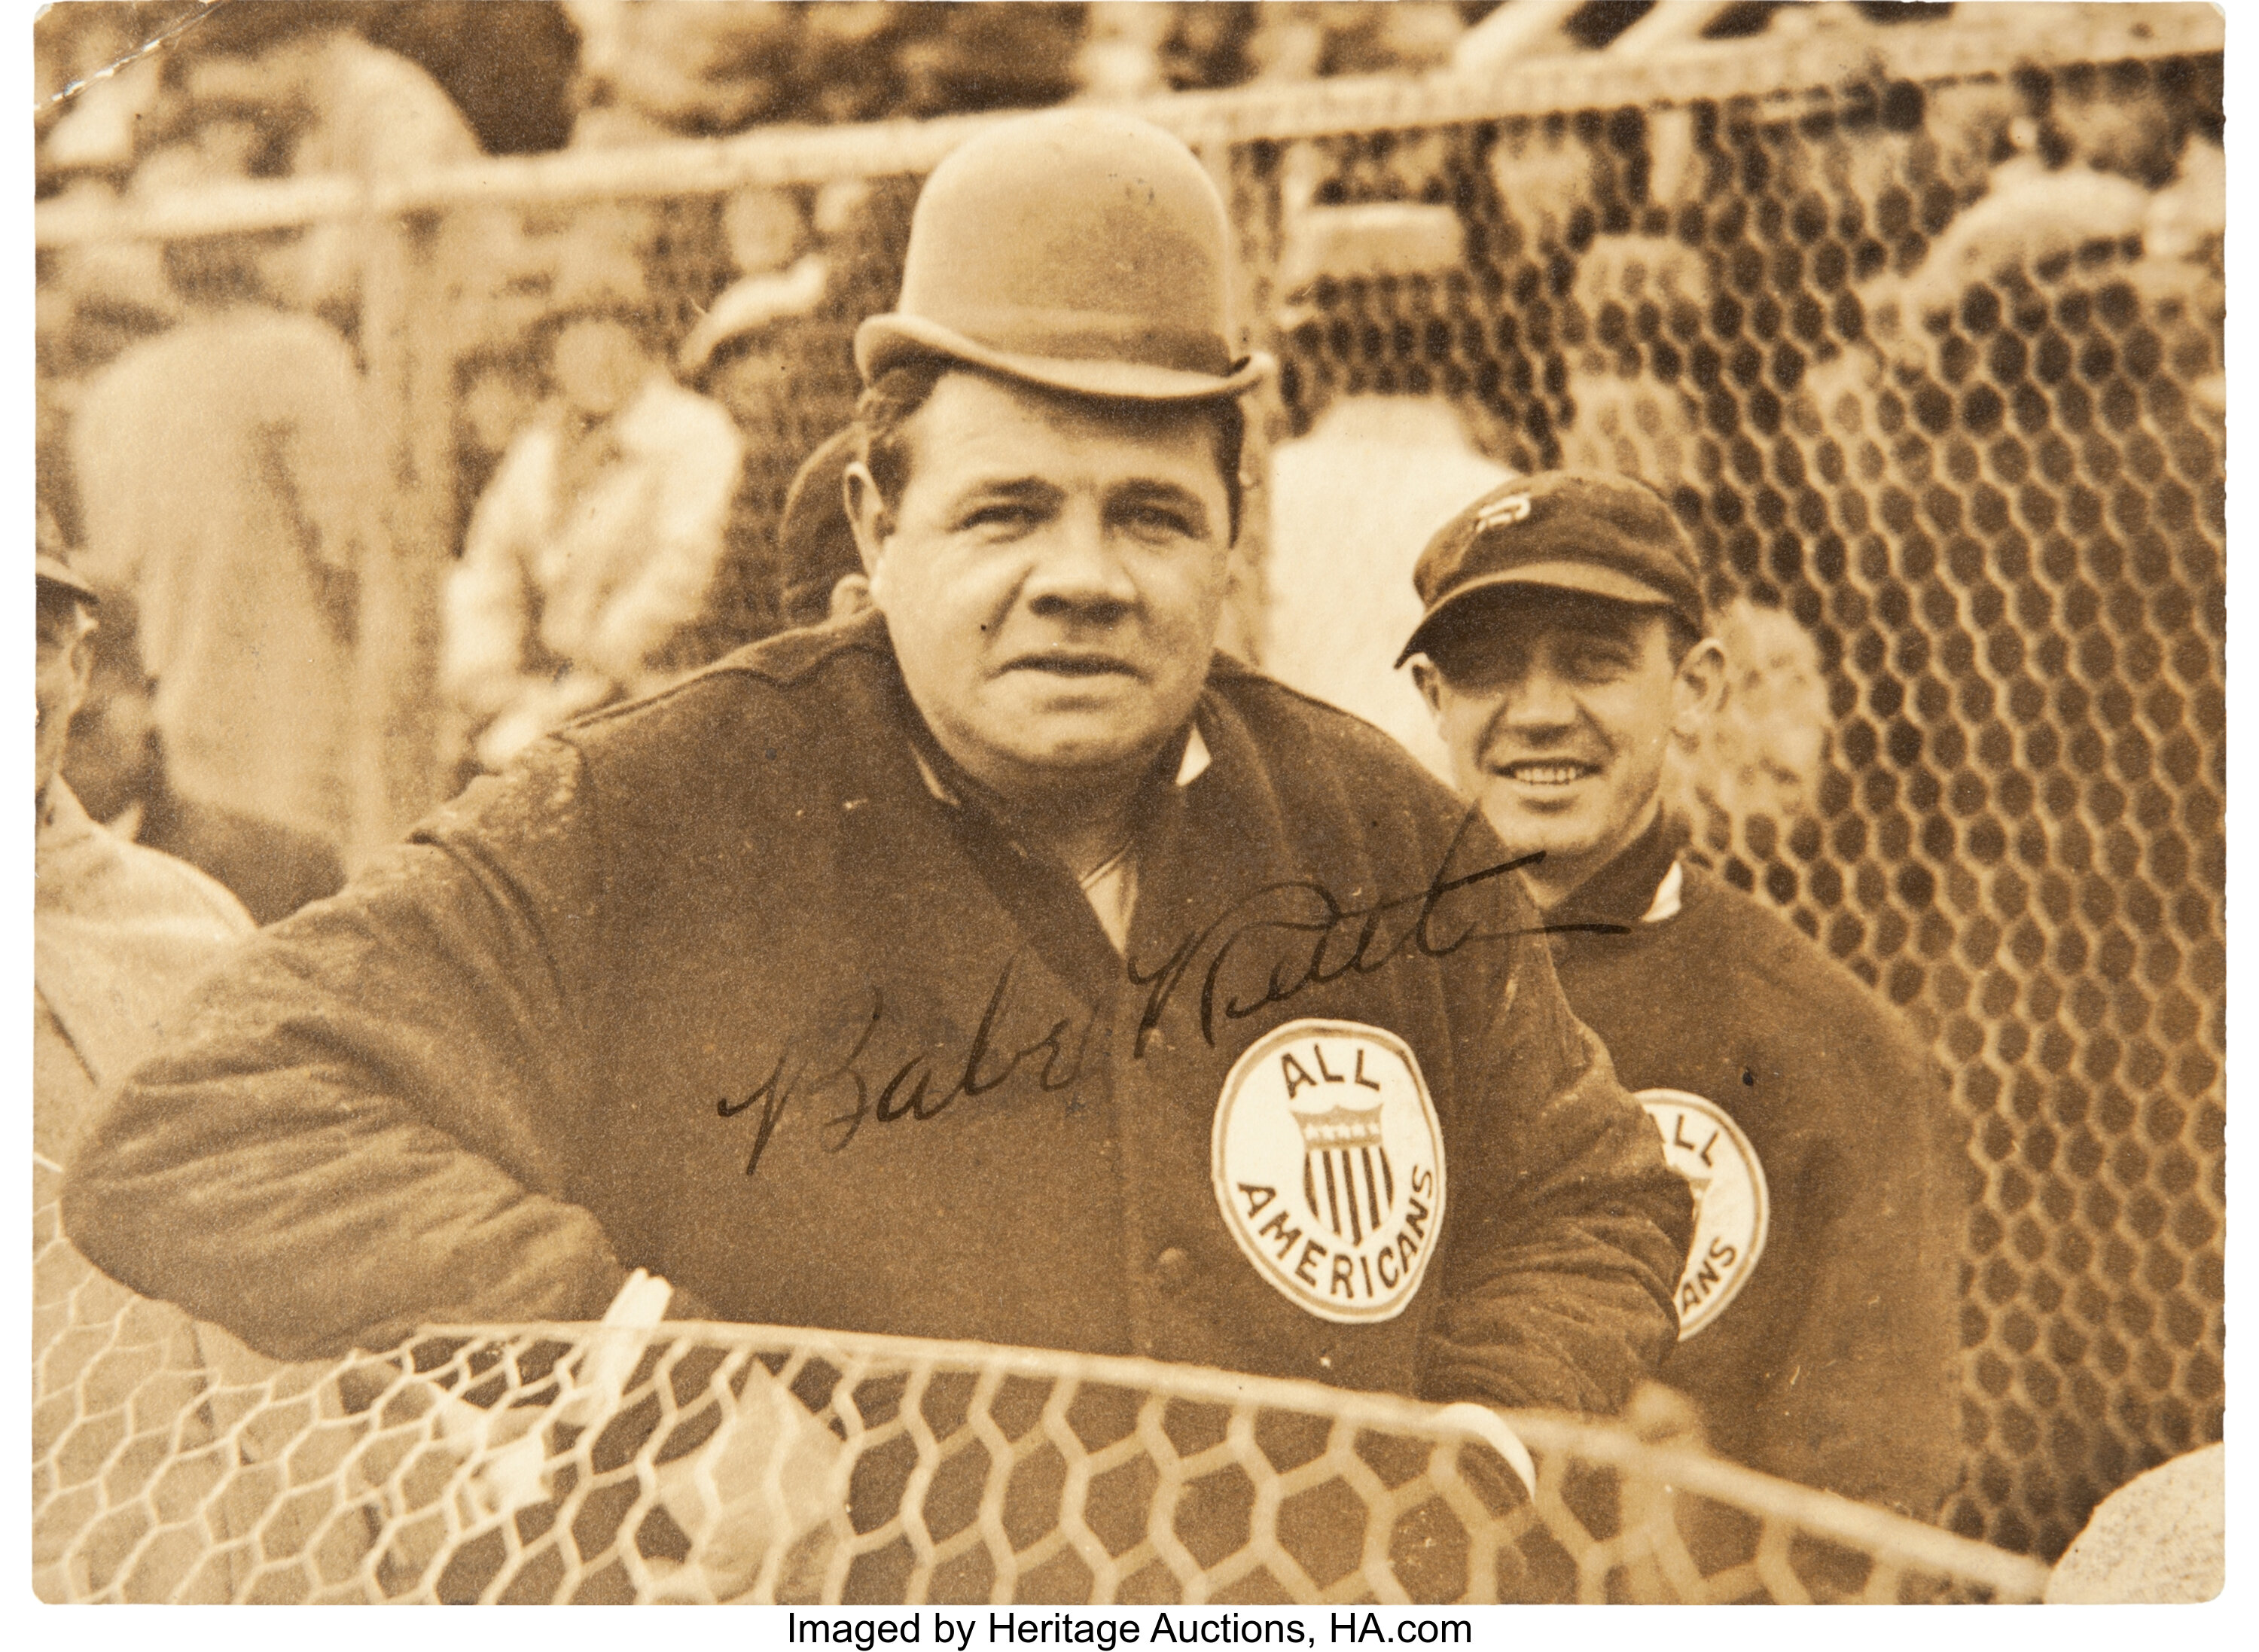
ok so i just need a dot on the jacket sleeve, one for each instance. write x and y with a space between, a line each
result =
363 1124
1861 1398
1570 1230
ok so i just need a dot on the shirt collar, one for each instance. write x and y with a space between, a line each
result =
1667 894
1644 884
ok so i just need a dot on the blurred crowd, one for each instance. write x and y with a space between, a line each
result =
215 435
536 74
220 465
220 386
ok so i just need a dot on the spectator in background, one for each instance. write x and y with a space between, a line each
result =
120 933
230 479
589 559
733 353
116 767
311 96
118 930
651 73
1297 41
739 355
334 102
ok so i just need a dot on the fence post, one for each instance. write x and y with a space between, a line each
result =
1247 595
406 340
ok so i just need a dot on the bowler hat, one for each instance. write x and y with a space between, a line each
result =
1082 249
1573 530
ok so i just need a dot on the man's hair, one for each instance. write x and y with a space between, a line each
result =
883 413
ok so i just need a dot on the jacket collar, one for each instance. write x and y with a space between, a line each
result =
793 654
941 775
1640 886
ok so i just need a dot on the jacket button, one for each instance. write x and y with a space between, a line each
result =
1172 1271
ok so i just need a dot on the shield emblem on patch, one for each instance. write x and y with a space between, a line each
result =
1731 1204
1328 1161
1347 1181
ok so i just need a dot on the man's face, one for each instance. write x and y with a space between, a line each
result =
755 384
111 758
64 665
598 365
1052 577
1558 710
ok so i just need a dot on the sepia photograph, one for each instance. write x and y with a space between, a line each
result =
1248 809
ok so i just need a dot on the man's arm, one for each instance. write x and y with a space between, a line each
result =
1861 1398
364 1123
1570 1230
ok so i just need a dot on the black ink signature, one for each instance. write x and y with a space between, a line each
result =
1374 943
912 1091
1321 943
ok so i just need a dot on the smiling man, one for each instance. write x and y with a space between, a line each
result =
1563 648
999 962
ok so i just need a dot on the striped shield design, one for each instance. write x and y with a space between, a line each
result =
1347 1180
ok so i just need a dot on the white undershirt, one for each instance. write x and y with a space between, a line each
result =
1666 904
1110 889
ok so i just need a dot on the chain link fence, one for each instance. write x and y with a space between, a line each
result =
1929 355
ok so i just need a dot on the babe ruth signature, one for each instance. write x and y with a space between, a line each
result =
1265 950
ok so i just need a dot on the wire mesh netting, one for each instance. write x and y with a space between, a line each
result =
2001 521
1965 431
1985 481
724 1462
1929 359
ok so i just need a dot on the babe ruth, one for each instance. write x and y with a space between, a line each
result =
1564 645
948 969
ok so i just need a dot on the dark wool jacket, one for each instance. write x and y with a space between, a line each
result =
1835 1364
715 984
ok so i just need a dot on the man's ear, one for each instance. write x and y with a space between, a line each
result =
1698 689
1429 682
80 659
851 595
82 663
867 514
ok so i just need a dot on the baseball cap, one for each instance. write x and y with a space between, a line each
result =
750 305
53 569
1573 531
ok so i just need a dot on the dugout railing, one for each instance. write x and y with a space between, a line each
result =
1970 445
715 1462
